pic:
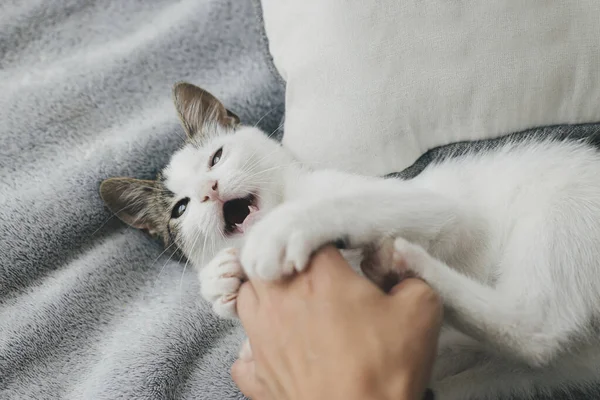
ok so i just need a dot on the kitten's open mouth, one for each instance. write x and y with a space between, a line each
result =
237 214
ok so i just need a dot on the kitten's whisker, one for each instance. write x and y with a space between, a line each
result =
163 252
220 230
276 129
267 113
204 251
114 214
185 266
103 224
243 185
250 161
271 169
256 189
165 264
275 150
257 162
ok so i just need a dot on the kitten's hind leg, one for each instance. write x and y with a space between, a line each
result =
483 312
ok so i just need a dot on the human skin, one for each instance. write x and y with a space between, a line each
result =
328 333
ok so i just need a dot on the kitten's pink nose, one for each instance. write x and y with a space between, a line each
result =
210 191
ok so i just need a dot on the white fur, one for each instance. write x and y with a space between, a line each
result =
510 238
221 279
248 164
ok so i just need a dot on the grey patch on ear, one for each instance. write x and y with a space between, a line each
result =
197 108
139 203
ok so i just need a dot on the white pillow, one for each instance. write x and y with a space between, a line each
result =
373 84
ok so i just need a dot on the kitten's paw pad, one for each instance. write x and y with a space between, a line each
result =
220 281
408 258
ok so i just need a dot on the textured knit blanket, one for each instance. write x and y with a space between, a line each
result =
88 308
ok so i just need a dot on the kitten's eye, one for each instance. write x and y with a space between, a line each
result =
215 158
179 208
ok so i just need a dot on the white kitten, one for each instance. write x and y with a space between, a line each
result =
510 238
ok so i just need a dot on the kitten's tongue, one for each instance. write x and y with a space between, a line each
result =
249 220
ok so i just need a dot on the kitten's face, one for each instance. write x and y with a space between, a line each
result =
221 187
213 189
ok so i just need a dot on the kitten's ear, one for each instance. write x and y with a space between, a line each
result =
234 118
197 107
130 200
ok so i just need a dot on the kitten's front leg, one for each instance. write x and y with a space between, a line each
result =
220 281
285 239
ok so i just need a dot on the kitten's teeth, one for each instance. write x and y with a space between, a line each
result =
252 209
240 227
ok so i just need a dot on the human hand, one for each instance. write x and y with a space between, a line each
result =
331 334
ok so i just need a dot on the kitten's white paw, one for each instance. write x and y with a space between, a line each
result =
280 244
220 282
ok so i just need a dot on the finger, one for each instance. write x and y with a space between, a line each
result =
329 263
247 303
275 291
404 284
332 274
411 287
326 267
259 287
243 374
418 294
245 353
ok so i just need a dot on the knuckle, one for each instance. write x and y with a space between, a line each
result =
431 300
426 293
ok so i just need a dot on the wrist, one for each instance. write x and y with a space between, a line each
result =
424 394
404 387
409 391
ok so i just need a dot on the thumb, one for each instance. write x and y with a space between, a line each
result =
409 287
405 284
243 374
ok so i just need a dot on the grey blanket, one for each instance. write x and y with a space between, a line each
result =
88 308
